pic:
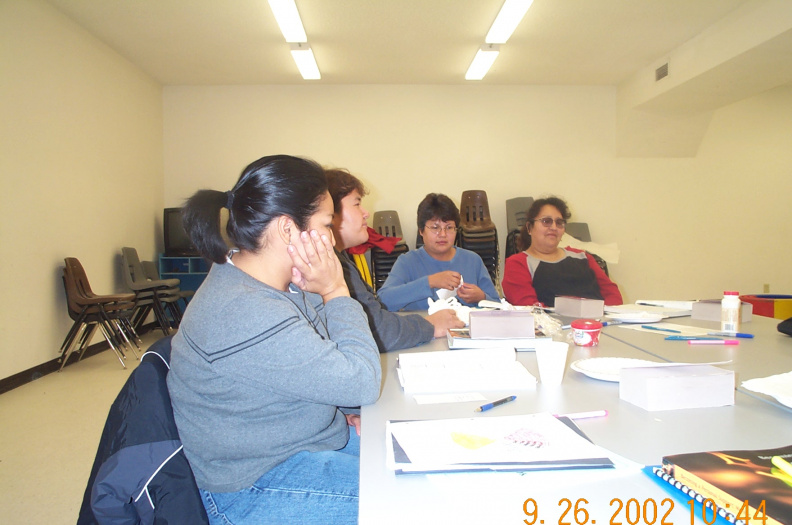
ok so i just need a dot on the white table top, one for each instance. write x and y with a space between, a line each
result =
641 436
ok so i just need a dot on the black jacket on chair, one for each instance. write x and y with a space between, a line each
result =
140 474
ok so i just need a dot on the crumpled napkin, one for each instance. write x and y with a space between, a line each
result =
443 294
450 303
778 386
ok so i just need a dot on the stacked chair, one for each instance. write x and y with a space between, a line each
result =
108 313
387 224
477 232
152 274
516 215
151 295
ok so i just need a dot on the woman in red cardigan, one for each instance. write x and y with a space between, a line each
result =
544 271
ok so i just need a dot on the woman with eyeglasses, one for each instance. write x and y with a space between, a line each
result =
271 354
543 270
438 265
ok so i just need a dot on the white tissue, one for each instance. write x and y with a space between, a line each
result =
451 303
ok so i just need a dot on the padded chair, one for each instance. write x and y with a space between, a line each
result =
150 295
140 474
89 311
387 224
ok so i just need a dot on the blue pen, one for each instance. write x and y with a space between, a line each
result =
688 338
649 327
494 404
732 334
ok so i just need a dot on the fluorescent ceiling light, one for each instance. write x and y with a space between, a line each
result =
288 19
507 20
306 62
483 60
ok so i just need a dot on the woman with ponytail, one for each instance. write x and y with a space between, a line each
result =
270 352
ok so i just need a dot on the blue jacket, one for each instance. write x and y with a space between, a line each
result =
140 474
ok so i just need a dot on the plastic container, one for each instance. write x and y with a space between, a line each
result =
586 332
730 312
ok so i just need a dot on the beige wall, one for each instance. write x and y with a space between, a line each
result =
80 172
687 227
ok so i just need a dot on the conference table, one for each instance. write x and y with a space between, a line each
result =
621 495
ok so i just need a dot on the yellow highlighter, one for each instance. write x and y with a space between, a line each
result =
782 464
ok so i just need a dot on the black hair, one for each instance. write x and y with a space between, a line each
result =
533 212
268 188
437 205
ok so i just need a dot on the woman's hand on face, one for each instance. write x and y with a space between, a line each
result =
316 268
353 420
470 293
447 280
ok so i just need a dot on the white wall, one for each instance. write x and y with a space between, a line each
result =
687 227
80 172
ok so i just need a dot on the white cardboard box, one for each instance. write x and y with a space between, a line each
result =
501 324
676 387
579 306
710 310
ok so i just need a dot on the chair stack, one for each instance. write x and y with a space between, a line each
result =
516 215
387 224
108 313
150 295
477 232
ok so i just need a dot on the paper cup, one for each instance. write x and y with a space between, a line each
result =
551 357
586 332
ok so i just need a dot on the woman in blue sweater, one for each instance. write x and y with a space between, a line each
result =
438 264
270 350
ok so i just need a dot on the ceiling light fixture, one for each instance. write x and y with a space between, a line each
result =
288 19
482 62
507 20
291 26
306 63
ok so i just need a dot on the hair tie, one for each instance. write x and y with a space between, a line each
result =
229 199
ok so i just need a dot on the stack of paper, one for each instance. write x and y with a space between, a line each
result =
463 371
525 442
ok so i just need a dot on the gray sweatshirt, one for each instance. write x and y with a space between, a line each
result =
257 375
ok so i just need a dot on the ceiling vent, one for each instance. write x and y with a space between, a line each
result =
661 72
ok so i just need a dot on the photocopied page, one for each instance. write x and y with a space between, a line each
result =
463 371
524 442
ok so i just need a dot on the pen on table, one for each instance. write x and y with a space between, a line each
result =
782 464
584 415
608 323
690 338
650 327
730 342
494 404
732 334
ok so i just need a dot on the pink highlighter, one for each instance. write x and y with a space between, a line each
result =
730 342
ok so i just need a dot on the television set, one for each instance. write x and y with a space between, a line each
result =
177 243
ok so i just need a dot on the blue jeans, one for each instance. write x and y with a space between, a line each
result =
309 487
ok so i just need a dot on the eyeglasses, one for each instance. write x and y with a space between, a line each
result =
548 221
437 229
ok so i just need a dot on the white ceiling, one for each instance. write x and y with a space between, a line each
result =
559 42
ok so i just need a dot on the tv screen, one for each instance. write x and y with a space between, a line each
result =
177 243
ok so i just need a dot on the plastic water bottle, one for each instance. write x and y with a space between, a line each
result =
730 312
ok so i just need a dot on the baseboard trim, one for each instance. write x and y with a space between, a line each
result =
31 374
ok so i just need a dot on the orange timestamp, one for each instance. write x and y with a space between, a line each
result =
635 512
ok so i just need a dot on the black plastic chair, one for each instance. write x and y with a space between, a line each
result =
150 295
